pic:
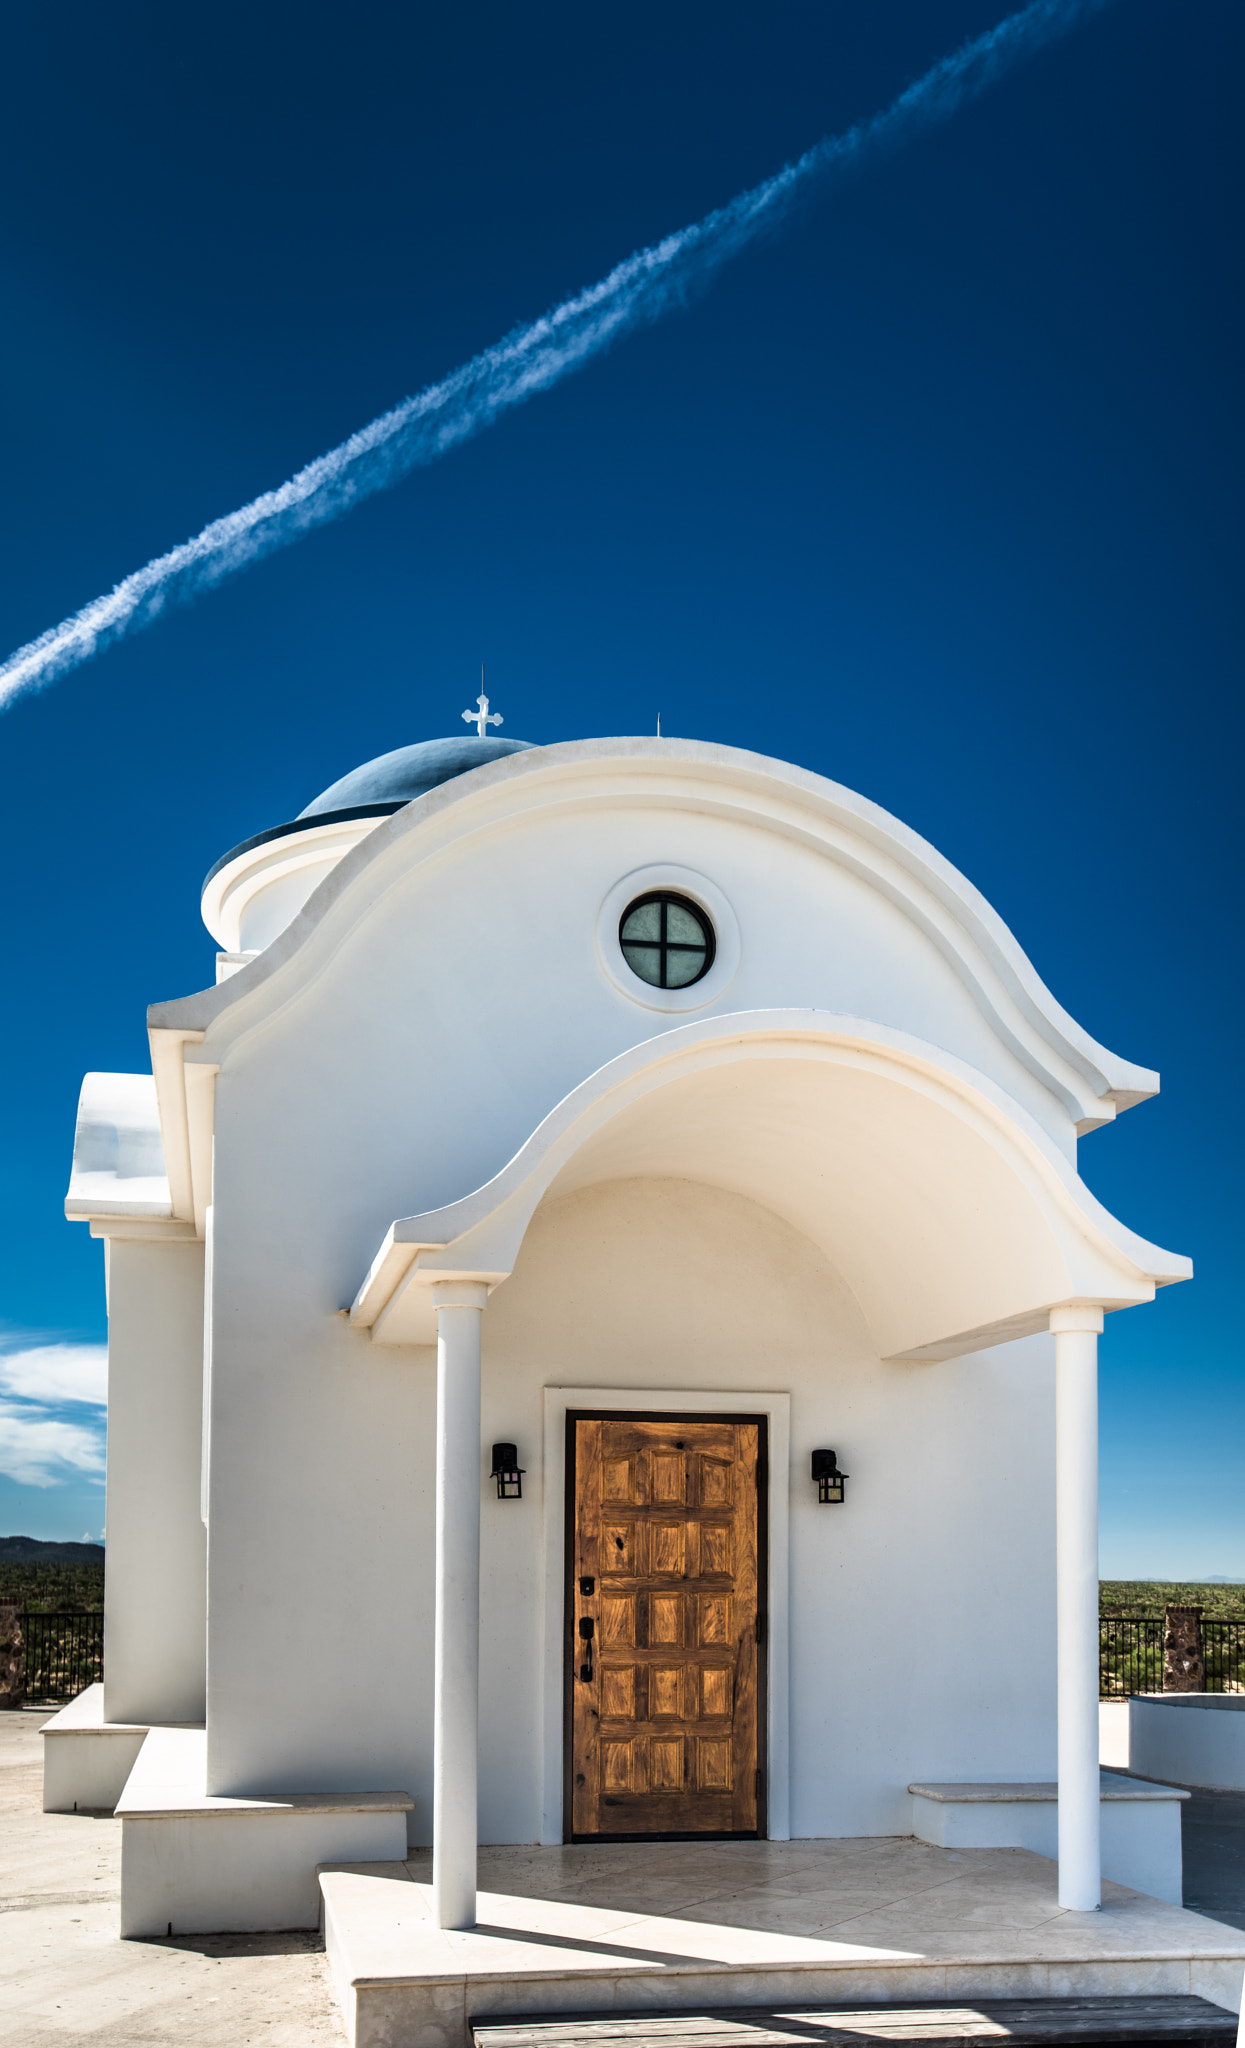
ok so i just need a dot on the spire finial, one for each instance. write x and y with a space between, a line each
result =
482 717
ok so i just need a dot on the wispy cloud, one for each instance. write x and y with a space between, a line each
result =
532 359
38 1450
40 1445
52 1373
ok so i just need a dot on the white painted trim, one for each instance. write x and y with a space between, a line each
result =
168 1052
662 1400
200 1087
205 1442
709 898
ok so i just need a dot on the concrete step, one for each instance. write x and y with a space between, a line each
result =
197 1862
86 1760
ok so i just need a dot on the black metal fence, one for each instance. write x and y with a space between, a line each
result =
63 1652
1130 1654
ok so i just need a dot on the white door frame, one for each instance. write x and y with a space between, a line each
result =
657 1401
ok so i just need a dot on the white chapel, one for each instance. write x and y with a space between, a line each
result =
603 1325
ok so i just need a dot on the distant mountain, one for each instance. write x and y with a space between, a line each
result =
29 1550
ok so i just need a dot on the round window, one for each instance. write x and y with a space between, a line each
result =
666 940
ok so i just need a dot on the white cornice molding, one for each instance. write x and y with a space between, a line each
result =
148 1230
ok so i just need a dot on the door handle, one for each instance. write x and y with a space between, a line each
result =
587 1629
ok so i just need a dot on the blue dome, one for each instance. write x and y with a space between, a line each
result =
385 785
398 778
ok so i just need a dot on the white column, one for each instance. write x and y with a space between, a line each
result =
1076 1538
456 1679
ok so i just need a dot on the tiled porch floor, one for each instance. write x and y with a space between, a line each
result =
745 1922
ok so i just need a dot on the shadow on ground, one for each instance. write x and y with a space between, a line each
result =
1213 1840
292 1941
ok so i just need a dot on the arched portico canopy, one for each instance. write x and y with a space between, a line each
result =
949 1212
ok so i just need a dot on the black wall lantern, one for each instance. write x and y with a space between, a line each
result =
828 1477
508 1472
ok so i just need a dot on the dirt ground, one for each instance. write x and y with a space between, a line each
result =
64 1974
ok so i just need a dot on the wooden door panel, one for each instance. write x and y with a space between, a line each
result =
715 1690
714 1624
665 1693
618 1692
667 1478
665 1619
618 1479
714 1759
716 1477
666 1763
619 1766
668 1549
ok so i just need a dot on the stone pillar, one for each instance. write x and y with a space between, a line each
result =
456 1680
1184 1657
1076 1542
12 1656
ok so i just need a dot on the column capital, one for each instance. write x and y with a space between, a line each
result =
1082 1317
460 1293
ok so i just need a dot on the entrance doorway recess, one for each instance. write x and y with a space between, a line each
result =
664 1645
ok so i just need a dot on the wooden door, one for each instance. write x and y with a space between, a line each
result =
663 1642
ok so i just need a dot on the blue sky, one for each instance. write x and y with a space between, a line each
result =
937 494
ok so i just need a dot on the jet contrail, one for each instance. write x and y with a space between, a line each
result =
532 358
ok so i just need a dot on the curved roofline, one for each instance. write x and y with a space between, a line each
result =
303 824
822 814
579 1115
481 1232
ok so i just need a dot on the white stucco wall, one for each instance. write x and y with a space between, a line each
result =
155 1590
322 1520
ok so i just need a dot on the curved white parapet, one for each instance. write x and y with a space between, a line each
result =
118 1151
1196 1738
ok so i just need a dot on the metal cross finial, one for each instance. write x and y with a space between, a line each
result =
482 717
